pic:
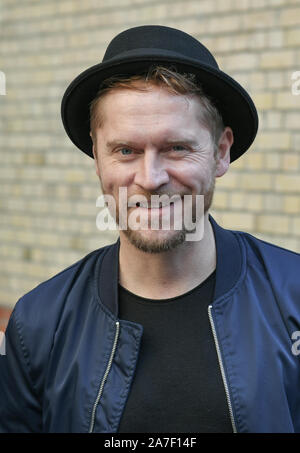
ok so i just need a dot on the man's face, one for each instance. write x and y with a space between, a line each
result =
153 143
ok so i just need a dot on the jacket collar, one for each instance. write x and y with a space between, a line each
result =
229 264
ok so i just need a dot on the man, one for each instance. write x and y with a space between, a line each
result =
157 333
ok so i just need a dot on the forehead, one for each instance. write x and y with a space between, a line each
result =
152 104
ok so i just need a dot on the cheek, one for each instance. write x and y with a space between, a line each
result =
109 181
112 177
194 175
105 176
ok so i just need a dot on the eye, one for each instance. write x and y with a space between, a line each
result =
125 151
179 148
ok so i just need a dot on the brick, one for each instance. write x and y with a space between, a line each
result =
227 181
296 142
238 221
275 39
275 224
254 202
237 200
277 59
291 204
291 120
243 79
256 182
257 40
289 16
85 209
75 176
258 20
292 37
228 23
244 61
257 80
285 100
274 140
241 5
290 162
263 101
11 251
273 120
35 158
275 79
296 226
272 203
193 7
273 161
287 183
276 3
239 164
220 200
224 43
220 5
254 161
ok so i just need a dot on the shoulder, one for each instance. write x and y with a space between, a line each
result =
44 315
279 263
268 252
279 268
38 312
56 289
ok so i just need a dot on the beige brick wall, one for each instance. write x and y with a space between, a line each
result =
49 189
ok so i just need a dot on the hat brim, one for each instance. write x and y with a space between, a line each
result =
232 100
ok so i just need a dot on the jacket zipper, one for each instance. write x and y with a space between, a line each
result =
92 423
221 368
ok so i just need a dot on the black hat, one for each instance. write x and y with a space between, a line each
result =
132 52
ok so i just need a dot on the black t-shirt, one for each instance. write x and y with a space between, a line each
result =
177 386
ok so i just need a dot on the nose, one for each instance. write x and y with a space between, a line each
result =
151 173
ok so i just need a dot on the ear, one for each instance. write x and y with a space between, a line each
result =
223 155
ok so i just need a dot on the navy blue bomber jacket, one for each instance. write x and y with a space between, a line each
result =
70 360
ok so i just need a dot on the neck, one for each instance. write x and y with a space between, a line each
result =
167 274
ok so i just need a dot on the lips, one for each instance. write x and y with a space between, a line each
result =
148 206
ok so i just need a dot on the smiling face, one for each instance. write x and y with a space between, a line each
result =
153 142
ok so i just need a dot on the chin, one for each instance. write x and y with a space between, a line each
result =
155 241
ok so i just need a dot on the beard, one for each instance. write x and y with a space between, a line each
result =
160 241
172 239
164 241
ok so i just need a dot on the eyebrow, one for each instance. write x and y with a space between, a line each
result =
112 144
182 140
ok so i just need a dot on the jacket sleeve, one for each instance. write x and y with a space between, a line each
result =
20 408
